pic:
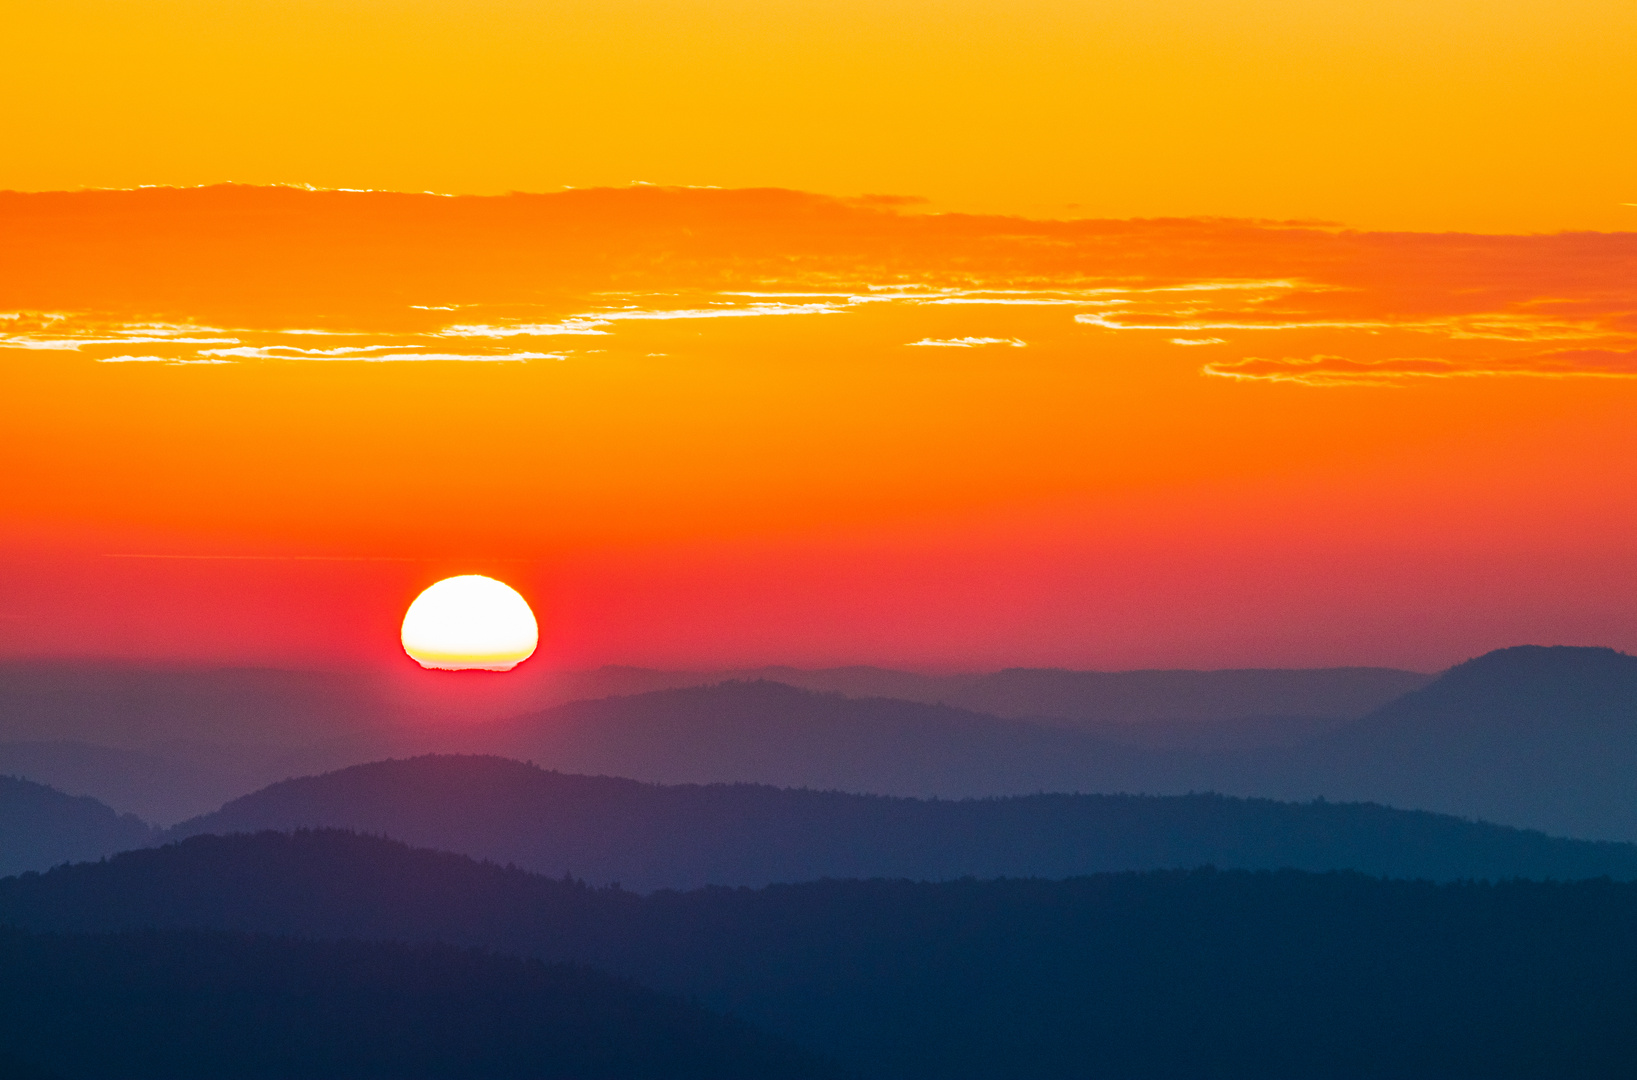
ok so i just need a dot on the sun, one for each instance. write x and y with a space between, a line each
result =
470 622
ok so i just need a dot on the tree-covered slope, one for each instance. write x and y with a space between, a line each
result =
188 1005
1179 974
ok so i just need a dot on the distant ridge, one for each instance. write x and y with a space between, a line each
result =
1534 737
771 733
649 836
1126 705
171 742
1541 736
41 827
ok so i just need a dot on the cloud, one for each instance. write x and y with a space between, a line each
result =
492 358
596 323
158 360
582 326
970 342
1342 371
293 352
601 262
75 344
724 312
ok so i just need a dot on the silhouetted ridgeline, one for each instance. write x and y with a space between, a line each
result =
1261 976
176 1005
41 827
647 836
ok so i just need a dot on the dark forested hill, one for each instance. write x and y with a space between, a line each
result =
16 1068
41 827
1262 976
181 1005
649 836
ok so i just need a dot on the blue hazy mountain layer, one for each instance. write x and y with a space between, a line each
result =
1540 738
168 743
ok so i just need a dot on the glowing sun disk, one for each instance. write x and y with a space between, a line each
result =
470 622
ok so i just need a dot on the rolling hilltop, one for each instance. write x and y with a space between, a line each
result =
650 836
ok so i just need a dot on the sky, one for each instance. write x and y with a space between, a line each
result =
1483 115
938 335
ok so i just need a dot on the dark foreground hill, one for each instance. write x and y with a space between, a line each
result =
1262 976
185 1005
41 827
648 836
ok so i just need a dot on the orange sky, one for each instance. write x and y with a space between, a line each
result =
726 427
1487 115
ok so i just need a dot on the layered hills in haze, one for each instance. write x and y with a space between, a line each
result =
1535 737
170 743
1542 738
647 836
1262 976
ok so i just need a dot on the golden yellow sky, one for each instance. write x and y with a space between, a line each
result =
1485 115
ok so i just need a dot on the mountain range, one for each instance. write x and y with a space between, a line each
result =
1534 737
170 743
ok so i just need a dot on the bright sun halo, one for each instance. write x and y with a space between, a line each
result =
470 622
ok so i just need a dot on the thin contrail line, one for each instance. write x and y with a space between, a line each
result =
283 558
